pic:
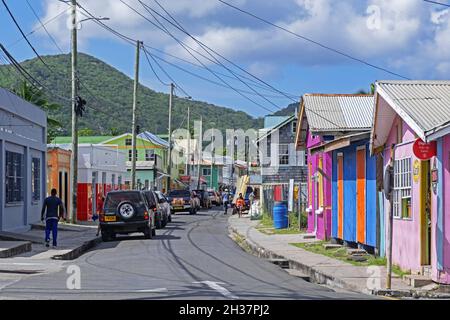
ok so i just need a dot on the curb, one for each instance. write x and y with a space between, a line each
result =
315 276
319 277
78 251
19 249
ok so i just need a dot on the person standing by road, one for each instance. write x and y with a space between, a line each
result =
240 203
100 204
226 200
50 209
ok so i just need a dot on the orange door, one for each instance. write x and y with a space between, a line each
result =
361 195
340 186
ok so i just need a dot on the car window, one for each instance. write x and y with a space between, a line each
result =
114 199
150 199
179 194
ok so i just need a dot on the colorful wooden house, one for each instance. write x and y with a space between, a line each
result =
325 118
412 131
58 173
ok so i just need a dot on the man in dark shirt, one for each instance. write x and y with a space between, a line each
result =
52 204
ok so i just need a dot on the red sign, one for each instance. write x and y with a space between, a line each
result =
424 151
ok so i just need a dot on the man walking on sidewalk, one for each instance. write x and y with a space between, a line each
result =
51 205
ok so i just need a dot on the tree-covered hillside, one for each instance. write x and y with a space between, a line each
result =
108 84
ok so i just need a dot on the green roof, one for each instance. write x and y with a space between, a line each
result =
82 139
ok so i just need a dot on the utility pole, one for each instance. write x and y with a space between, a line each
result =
199 160
74 158
212 161
188 156
169 168
134 122
390 221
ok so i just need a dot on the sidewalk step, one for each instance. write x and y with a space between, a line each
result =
331 246
416 281
298 274
11 236
282 263
12 248
309 236
356 252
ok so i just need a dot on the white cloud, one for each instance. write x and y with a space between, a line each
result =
412 37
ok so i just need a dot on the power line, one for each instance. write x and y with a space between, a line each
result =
188 51
313 41
228 69
154 71
43 26
224 58
206 79
438 3
24 35
39 27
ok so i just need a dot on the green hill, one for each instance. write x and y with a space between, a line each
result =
109 84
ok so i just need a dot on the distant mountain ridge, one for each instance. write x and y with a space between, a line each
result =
109 84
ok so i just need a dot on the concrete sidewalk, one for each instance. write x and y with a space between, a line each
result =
73 241
319 268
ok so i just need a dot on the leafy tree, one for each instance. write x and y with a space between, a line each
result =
36 97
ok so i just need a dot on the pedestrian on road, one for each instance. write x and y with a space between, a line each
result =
240 203
100 203
226 200
51 205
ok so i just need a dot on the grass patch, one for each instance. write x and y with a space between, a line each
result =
266 226
341 254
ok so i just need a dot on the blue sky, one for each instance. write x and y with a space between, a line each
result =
408 37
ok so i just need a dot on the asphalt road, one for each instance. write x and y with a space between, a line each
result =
192 258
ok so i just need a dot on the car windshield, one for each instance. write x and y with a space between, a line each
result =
179 194
114 199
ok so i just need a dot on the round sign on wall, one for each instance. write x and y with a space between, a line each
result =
424 151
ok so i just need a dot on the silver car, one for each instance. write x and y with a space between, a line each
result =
164 205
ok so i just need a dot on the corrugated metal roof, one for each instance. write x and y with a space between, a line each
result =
338 112
427 103
273 121
154 139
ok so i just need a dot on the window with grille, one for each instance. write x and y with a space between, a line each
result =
35 179
206 171
283 154
130 155
14 183
128 141
402 188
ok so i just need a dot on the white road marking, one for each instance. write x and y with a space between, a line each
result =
154 290
21 264
217 286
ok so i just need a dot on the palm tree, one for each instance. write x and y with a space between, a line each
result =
36 97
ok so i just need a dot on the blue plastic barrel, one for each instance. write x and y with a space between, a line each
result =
280 215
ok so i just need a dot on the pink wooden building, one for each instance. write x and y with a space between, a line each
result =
406 111
322 118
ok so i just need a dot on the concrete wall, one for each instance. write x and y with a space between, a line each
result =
22 130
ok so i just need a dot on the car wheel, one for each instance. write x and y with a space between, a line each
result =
148 233
126 210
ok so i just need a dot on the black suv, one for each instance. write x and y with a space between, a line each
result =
127 212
